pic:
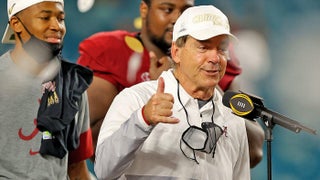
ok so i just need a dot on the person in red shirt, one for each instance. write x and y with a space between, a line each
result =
120 59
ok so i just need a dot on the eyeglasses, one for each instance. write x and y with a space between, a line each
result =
202 139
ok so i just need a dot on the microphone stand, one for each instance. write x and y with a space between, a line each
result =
251 107
270 119
267 119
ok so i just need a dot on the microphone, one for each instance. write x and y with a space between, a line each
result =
250 107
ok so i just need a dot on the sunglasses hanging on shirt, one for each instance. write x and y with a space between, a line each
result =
202 139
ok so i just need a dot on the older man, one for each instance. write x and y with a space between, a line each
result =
176 127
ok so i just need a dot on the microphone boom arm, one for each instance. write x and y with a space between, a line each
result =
285 121
251 106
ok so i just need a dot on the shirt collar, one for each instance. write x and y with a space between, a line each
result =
172 84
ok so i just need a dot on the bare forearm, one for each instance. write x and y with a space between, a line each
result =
78 171
100 94
255 135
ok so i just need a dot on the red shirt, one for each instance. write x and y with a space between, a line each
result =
233 69
120 58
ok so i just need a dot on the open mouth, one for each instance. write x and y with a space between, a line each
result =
54 40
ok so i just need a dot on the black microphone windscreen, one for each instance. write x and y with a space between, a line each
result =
227 96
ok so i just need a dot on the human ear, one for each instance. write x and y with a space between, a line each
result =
175 52
143 9
15 24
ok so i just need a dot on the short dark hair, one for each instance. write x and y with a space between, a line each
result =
148 2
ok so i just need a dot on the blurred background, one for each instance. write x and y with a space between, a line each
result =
279 52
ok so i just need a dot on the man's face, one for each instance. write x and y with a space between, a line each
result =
161 16
45 21
202 63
